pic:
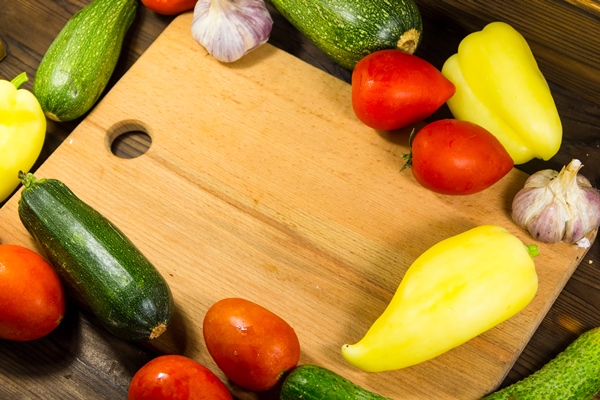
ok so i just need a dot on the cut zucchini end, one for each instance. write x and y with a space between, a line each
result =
158 330
409 41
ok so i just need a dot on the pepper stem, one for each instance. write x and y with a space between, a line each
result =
19 79
533 250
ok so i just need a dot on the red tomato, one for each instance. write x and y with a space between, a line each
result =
392 89
458 157
31 294
175 377
250 344
170 7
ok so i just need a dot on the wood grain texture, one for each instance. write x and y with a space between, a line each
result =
260 182
75 361
589 6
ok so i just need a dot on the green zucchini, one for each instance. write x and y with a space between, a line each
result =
348 30
572 375
80 61
96 260
311 382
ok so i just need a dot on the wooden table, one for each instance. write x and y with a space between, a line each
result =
79 360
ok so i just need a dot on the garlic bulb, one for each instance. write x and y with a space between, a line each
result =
228 29
557 207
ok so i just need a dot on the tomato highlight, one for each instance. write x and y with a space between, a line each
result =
457 157
392 89
251 345
173 377
31 293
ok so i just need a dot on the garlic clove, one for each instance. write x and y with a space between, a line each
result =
558 206
543 215
540 179
586 216
228 29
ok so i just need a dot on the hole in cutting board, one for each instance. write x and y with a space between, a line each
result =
128 139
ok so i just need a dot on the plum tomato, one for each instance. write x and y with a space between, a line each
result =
31 294
392 89
457 157
253 346
170 7
176 377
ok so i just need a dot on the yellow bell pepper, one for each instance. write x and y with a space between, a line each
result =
22 132
456 290
500 87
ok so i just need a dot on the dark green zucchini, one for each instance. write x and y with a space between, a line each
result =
348 30
311 382
96 260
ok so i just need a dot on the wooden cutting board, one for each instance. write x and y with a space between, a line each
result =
261 183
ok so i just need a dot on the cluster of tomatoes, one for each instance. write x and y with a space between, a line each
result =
251 345
392 90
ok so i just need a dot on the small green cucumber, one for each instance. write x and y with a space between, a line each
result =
572 375
96 260
311 382
348 30
80 61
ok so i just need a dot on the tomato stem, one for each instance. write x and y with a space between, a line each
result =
408 157
407 161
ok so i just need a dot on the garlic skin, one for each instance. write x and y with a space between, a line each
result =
557 207
228 29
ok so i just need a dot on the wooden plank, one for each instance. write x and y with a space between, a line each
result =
587 5
261 183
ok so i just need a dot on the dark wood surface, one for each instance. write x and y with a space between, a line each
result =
79 360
